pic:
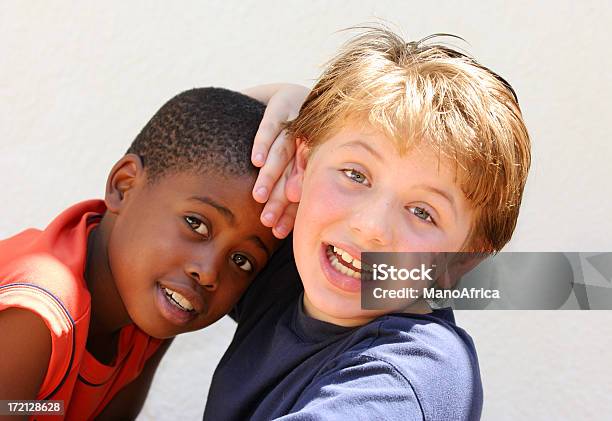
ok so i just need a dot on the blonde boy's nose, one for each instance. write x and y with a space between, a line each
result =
372 224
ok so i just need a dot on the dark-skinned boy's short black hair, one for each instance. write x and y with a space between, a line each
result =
201 130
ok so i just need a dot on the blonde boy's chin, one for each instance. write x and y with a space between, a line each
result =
348 313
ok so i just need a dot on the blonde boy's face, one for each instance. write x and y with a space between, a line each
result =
358 194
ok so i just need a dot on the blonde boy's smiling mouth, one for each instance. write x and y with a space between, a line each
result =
344 262
341 267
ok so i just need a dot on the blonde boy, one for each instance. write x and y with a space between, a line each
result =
400 147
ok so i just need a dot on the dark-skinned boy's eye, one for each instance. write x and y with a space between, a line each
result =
242 262
197 225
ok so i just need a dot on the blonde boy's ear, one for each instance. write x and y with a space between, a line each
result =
293 188
123 177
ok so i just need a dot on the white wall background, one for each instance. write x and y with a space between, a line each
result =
78 81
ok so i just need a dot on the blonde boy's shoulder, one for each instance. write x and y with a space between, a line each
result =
432 358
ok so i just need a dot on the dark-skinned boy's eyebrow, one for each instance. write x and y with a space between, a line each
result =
260 244
364 145
225 212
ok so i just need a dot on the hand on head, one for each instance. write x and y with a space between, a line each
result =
274 152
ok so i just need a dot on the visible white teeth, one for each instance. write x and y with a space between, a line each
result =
347 257
344 255
182 302
343 269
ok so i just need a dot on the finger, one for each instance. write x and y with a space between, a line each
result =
285 223
275 206
272 212
278 165
270 127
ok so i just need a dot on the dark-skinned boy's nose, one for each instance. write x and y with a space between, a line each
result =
207 276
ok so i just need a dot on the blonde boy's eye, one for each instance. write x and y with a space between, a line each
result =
197 225
242 262
421 213
356 176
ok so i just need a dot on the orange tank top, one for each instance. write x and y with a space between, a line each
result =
42 271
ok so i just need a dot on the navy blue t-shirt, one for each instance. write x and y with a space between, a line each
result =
284 364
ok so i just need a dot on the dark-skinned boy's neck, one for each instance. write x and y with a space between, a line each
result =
108 314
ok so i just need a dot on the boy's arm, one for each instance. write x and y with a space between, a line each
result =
289 92
25 343
129 401
362 388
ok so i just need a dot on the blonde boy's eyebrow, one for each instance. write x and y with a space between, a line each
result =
365 146
439 192
225 212
443 193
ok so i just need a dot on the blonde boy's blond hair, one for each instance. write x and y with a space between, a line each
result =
419 93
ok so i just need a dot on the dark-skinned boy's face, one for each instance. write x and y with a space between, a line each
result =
184 248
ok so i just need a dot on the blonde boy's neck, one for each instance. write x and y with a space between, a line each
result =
418 307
